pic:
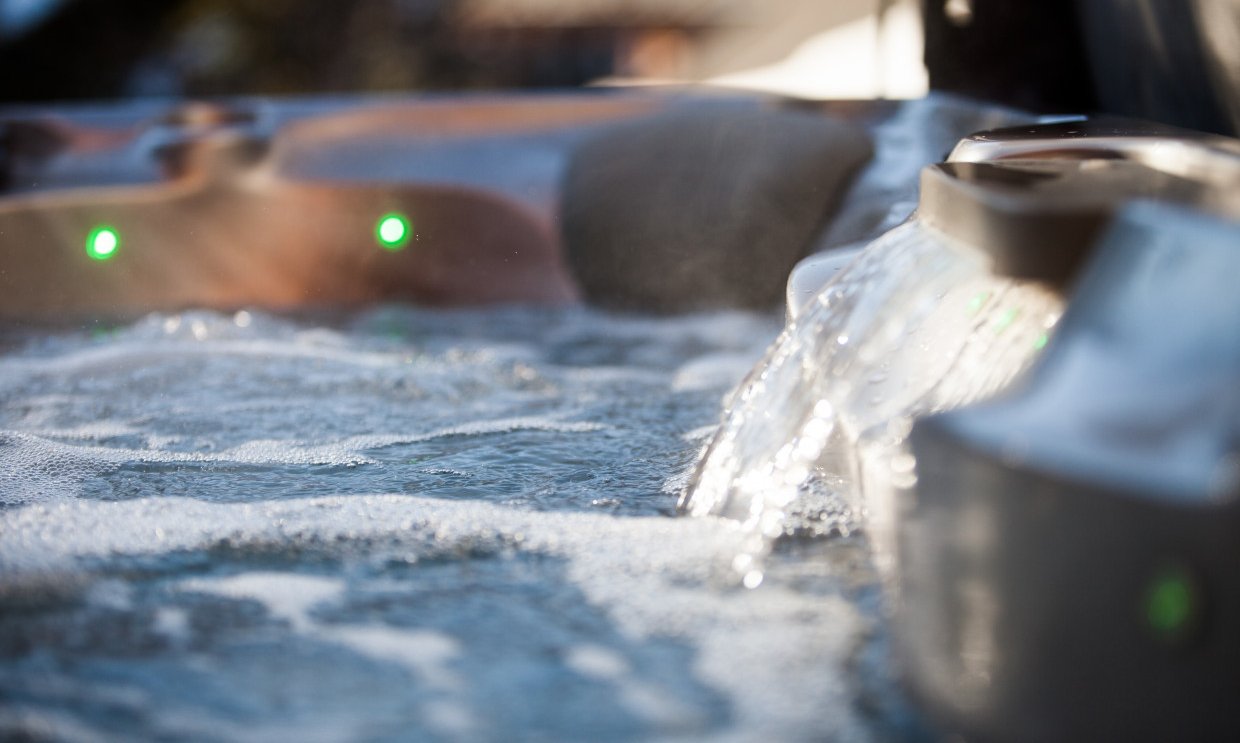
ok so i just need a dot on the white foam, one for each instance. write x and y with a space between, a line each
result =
778 655
165 401
292 597
287 596
713 371
425 652
37 469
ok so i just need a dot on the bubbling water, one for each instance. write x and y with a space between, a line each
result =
400 524
816 434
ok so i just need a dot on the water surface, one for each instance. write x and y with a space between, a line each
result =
403 524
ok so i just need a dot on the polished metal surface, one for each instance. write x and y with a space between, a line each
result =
1180 152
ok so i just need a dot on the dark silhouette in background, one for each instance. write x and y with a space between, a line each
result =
85 50
1174 61
110 48
123 48
1022 53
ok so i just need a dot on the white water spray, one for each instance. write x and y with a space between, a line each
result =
917 324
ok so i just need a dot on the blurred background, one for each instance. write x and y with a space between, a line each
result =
1176 61
65 49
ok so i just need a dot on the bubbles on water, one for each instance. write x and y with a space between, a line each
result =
236 406
403 523
508 617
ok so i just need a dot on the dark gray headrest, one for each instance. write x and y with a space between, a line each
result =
706 205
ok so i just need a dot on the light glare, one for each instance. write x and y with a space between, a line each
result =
392 231
102 243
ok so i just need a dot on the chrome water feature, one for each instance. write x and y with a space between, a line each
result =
915 324
943 311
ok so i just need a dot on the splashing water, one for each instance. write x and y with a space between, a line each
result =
814 437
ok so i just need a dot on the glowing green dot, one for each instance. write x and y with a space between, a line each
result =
1006 319
977 301
102 243
1170 602
392 231
1041 341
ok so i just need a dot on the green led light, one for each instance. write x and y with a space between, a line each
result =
1170 602
977 301
392 231
1041 341
102 243
1006 319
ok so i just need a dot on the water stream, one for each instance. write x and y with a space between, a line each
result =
813 439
